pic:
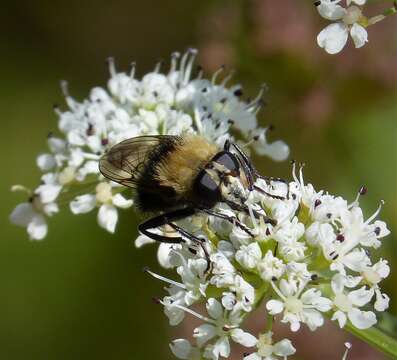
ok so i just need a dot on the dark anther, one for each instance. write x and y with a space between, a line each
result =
246 299
294 196
340 238
104 141
334 257
156 300
50 135
274 278
31 198
317 203
314 277
223 100
55 106
268 232
217 126
238 92
317 3
271 127
293 162
255 138
377 231
329 215
145 269
204 90
90 130
225 328
205 108
363 190
246 354
193 251
230 121
155 93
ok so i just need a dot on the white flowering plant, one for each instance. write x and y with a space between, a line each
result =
310 262
348 19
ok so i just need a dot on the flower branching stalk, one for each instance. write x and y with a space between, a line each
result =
313 262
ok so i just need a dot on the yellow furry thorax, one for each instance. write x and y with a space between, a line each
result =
181 166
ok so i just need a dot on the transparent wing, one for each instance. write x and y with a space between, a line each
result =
125 161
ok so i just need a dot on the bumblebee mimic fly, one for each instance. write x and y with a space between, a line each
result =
175 177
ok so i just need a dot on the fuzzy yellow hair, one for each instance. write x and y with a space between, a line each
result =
179 169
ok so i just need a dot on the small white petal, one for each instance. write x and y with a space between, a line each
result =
253 356
143 240
214 308
121 202
359 35
333 38
330 10
274 307
340 316
203 333
222 347
163 255
48 192
181 348
37 228
82 204
107 217
46 162
243 338
361 296
359 2
23 214
382 301
361 319
277 150
284 348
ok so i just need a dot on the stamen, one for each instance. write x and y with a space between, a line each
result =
216 74
191 312
197 120
254 223
21 188
188 71
376 213
174 61
362 191
182 66
69 100
348 347
158 66
258 97
162 278
132 69
111 66
228 77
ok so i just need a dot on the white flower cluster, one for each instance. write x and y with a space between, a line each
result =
312 261
173 103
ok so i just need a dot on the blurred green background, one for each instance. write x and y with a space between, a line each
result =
80 293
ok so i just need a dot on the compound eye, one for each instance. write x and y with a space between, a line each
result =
206 189
228 160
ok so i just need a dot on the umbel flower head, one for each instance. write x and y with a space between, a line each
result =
312 262
179 101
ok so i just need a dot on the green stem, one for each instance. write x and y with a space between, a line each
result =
376 338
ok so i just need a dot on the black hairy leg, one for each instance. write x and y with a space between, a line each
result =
165 219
